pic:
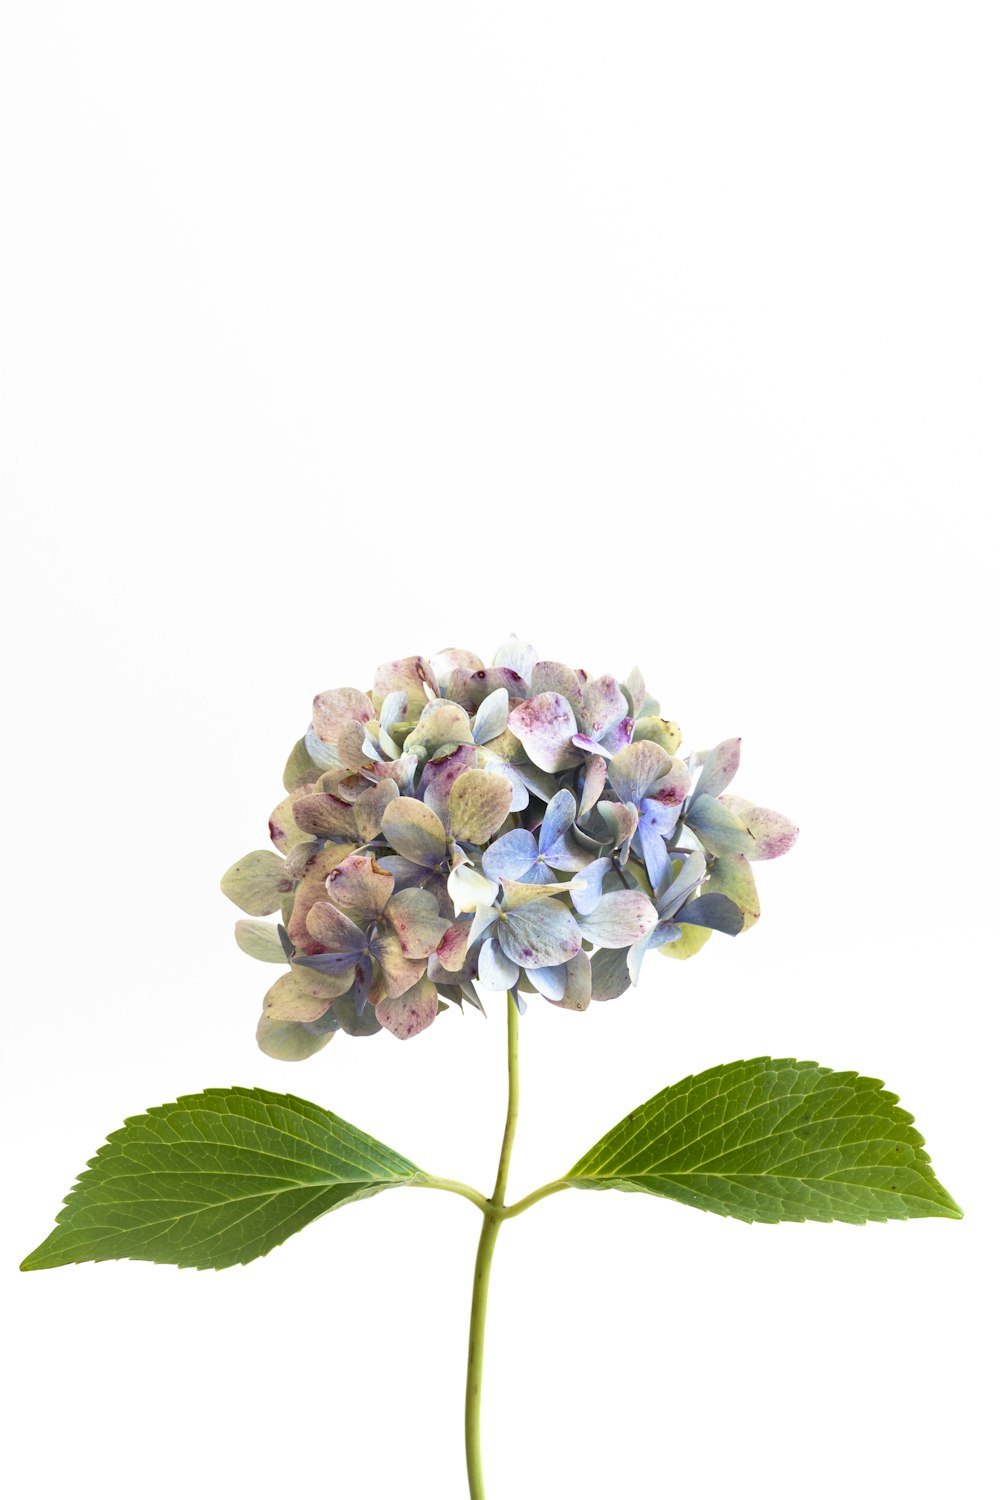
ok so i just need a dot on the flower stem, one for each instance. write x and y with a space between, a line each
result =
492 1219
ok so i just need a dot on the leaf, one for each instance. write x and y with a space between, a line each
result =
216 1180
771 1140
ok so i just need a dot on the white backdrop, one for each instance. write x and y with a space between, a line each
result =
653 333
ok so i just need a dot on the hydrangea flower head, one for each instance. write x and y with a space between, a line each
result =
460 828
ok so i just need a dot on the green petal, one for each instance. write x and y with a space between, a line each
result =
479 802
285 1001
288 1041
285 832
399 973
415 832
325 816
440 724
719 828
690 942
660 731
732 876
260 940
257 882
408 675
300 768
634 769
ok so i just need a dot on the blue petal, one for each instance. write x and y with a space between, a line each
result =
559 818
654 850
511 856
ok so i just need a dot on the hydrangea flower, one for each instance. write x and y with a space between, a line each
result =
466 827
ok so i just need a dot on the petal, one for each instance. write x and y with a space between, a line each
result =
518 656
518 790
495 970
617 738
519 892
550 982
439 776
287 1041
713 910
400 771
511 855
453 947
285 832
484 920
443 663
360 886
634 770
337 933
732 876
480 801
394 708
539 934
336 707
719 828
609 976
588 884
635 691
322 755
260 940
690 942
352 745
441 724
417 922
257 882
560 815
300 768
370 807
555 677
415 832
398 972
352 1020
660 731
773 833
654 850
687 879
491 716
412 675
470 689
594 778
619 919
312 888
578 983
718 769
469 889
620 822
285 1001
325 816
412 1012
545 725
603 705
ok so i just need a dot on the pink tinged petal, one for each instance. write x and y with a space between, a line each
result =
495 971
718 769
732 876
594 778
511 856
470 689
719 828
325 816
336 707
479 803
410 674
518 656
417 922
285 1001
370 807
453 658
609 974
635 692
634 770
400 771
616 739
453 947
285 832
603 705
257 882
491 717
587 886
440 775
360 886
412 1012
398 972
589 746
415 832
336 932
674 786
539 934
288 1041
556 677
773 833
545 726
550 982
312 888
350 742
619 919
468 889
620 821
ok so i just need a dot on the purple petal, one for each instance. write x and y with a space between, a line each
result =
718 769
545 726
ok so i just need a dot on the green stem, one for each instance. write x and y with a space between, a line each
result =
448 1185
494 1215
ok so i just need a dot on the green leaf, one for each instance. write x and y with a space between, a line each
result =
216 1180
773 1140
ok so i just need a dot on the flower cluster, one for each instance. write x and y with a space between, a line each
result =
521 826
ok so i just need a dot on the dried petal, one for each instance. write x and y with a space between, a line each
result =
719 828
288 1041
413 676
545 725
480 801
337 933
335 707
285 1001
418 923
399 973
491 716
495 970
260 940
325 816
415 832
360 886
619 919
257 882
539 934
370 807
633 771
718 769
409 1013
773 833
